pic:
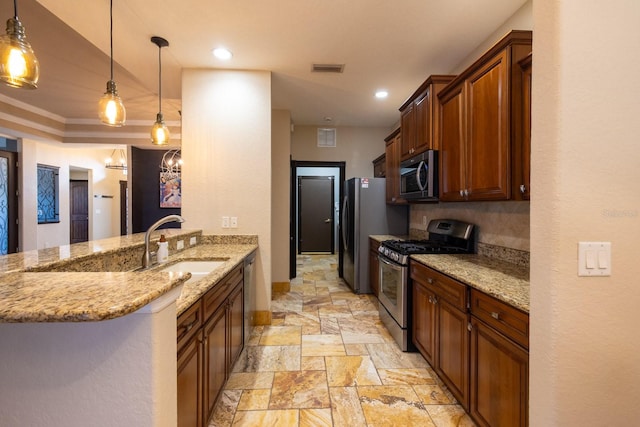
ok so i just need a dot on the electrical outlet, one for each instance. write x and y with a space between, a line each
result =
180 244
424 221
192 241
234 222
225 222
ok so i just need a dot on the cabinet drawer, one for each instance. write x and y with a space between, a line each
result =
445 287
188 323
216 295
506 319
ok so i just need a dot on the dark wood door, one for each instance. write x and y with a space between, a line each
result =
190 383
79 211
236 322
452 153
408 137
424 321
423 123
499 378
524 157
215 358
453 350
488 141
316 219
8 203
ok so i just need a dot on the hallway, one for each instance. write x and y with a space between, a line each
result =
326 360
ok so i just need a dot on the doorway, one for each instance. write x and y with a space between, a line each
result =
79 211
316 217
314 169
8 202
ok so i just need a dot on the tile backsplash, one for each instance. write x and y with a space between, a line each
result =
504 224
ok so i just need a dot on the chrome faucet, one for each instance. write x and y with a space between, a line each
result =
146 257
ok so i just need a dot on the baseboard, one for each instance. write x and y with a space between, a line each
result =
280 286
262 318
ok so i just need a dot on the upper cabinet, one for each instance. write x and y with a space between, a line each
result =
380 166
419 117
522 163
392 160
481 122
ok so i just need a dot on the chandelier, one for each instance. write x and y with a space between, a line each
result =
171 164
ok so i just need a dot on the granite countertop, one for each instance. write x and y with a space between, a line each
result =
74 296
503 280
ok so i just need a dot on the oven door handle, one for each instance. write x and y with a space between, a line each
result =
390 263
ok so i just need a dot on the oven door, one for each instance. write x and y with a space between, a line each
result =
393 289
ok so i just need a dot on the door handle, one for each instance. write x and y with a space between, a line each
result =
328 220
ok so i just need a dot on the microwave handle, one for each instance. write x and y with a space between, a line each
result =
420 165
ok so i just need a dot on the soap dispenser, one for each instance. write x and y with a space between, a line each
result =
163 249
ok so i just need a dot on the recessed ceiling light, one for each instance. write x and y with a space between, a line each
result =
381 94
222 53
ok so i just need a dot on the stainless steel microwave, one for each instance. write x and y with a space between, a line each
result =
419 177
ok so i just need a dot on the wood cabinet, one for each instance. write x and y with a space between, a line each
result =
392 158
210 338
419 118
190 365
522 158
440 327
499 363
374 266
380 166
480 124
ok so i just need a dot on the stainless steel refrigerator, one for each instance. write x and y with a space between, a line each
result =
365 212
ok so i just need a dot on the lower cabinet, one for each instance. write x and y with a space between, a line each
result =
440 327
477 345
210 339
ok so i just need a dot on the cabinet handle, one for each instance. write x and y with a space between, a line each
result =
469 327
435 300
495 315
523 189
466 193
461 193
430 300
430 280
189 326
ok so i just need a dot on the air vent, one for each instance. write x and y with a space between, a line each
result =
326 137
327 68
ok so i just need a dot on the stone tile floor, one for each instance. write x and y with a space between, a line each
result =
326 360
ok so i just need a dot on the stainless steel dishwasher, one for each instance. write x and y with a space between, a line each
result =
249 292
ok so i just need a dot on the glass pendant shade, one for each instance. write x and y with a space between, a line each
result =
159 132
111 108
18 64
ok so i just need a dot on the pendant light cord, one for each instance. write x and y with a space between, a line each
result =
110 34
160 79
15 9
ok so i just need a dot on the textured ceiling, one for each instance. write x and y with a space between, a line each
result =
387 44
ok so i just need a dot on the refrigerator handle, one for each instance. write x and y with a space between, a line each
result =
345 222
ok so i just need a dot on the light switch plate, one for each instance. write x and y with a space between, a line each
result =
594 258
225 222
180 244
192 241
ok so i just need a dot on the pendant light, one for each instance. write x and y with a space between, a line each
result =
18 64
110 107
159 131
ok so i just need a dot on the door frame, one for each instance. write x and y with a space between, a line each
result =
13 229
293 182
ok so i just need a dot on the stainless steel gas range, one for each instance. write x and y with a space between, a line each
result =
446 236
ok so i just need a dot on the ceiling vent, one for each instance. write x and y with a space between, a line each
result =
326 137
327 68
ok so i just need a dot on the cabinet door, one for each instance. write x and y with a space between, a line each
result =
453 350
374 265
236 324
392 153
190 383
524 186
424 321
452 140
215 355
488 163
424 127
499 379
408 126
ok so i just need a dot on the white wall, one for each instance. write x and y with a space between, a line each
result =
226 148
280 198
102 181
585 350
357 146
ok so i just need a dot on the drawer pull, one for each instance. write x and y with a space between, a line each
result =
188 327
430 280
495 315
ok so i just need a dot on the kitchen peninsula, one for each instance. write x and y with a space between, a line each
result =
88 340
